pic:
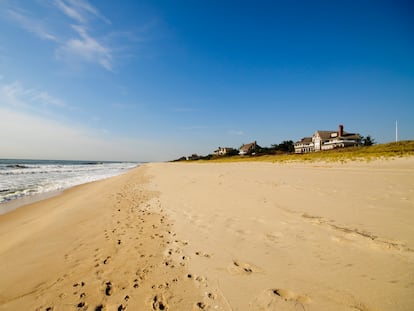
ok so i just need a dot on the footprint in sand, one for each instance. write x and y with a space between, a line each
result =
121 307
108 289
237 267
279 299
79 284
81 306
203 254
158 303
200 306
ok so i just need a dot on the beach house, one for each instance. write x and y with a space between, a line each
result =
223 151
248 148
326 140
304 145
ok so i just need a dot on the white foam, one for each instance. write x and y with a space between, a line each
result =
21 180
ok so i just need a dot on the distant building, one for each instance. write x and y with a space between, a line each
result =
326 140
248 148
304 145
223 151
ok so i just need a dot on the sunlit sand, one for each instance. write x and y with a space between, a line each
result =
218 236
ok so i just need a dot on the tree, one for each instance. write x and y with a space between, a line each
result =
232 152
367 141
286 146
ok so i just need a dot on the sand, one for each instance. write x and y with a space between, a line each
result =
218 236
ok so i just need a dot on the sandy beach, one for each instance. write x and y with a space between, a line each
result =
218 236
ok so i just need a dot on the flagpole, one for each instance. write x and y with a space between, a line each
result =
396 131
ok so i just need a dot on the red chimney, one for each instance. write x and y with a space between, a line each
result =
340 130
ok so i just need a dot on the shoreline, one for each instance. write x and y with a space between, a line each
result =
25 181
8 206
218 236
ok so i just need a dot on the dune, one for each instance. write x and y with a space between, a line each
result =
218 236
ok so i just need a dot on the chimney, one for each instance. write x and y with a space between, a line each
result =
340 130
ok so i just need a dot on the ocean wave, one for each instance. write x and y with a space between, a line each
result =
16 166
19 179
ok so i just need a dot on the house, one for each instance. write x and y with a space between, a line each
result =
304 145
248 148
326 140
223 151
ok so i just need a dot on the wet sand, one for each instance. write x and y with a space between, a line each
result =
211 236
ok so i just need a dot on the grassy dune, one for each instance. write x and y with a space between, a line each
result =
380 151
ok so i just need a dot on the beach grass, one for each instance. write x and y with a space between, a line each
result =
362 153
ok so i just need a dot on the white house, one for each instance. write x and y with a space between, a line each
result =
223 151
326 140
304 145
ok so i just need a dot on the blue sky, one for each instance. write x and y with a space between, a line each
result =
155 80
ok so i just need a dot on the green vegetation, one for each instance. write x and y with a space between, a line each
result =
364 153
367 141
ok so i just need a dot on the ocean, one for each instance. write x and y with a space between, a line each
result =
24 178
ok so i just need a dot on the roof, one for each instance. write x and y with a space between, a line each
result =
305 140
351 136
325 134
247 147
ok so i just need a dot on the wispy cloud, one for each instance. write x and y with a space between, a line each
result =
74 42
16 95
79 10
31 25
47 99
86 48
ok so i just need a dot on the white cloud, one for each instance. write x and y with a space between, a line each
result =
48 100
69 11
86 48
74 43
79 10
31 25
14 94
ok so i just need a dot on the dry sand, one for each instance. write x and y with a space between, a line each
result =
100 246
238 236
